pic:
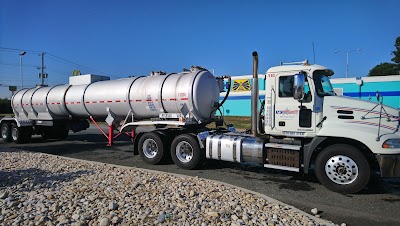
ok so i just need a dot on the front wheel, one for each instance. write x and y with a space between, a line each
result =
186 152
342 168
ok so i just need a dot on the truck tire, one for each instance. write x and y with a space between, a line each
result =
6 132
151 148
186 152
342 168
17 134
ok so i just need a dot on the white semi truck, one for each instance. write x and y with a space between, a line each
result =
302 125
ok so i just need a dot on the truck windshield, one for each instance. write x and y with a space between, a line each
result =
322 83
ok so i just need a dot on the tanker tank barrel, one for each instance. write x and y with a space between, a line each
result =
190 94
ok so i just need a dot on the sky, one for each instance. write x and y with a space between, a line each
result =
133 38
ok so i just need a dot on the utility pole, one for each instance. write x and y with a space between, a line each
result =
20 66
42 75
347 59
43 68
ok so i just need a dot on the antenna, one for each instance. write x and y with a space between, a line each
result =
313 51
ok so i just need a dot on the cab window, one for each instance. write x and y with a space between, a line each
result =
286 88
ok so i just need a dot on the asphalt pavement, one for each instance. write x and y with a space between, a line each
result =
377 205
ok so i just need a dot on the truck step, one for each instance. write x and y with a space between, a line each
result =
283 146
287 168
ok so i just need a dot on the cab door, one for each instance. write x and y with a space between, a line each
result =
293 117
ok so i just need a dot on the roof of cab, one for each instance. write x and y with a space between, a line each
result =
297 67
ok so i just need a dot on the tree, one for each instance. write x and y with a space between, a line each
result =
384 69
4 100
389 68
396 53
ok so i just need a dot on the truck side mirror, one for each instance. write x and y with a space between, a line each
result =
298 86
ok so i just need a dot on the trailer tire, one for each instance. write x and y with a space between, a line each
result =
17 134
151 148
342 168
186 152
6 132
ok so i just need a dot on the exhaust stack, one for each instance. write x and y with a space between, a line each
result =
254 96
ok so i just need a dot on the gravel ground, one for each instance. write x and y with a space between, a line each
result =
41 189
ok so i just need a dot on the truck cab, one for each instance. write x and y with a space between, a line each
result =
343 138
285 115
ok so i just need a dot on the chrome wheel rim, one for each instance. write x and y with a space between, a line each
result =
341 169
150 148
184 151
14 133
4 132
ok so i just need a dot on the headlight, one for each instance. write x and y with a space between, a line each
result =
391 143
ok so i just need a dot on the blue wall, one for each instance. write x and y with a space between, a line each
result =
389 90
239 103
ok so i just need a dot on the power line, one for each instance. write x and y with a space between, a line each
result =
14 49
57 70
57 58
76 64
24 65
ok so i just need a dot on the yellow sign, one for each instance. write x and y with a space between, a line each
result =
241 85
76 72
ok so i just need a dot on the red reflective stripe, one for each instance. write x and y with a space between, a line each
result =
58 103
94 102
172 99
102 101
66 102
88 102
109 101
131 100
164 99
184 98
78 102
138 100
149 100
118 101
41 103
156 100
124 101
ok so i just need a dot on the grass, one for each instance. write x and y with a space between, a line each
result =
3 115
239 122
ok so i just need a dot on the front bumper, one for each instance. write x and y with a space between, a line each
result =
389 165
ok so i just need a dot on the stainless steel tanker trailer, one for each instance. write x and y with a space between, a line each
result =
180 99
301 126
